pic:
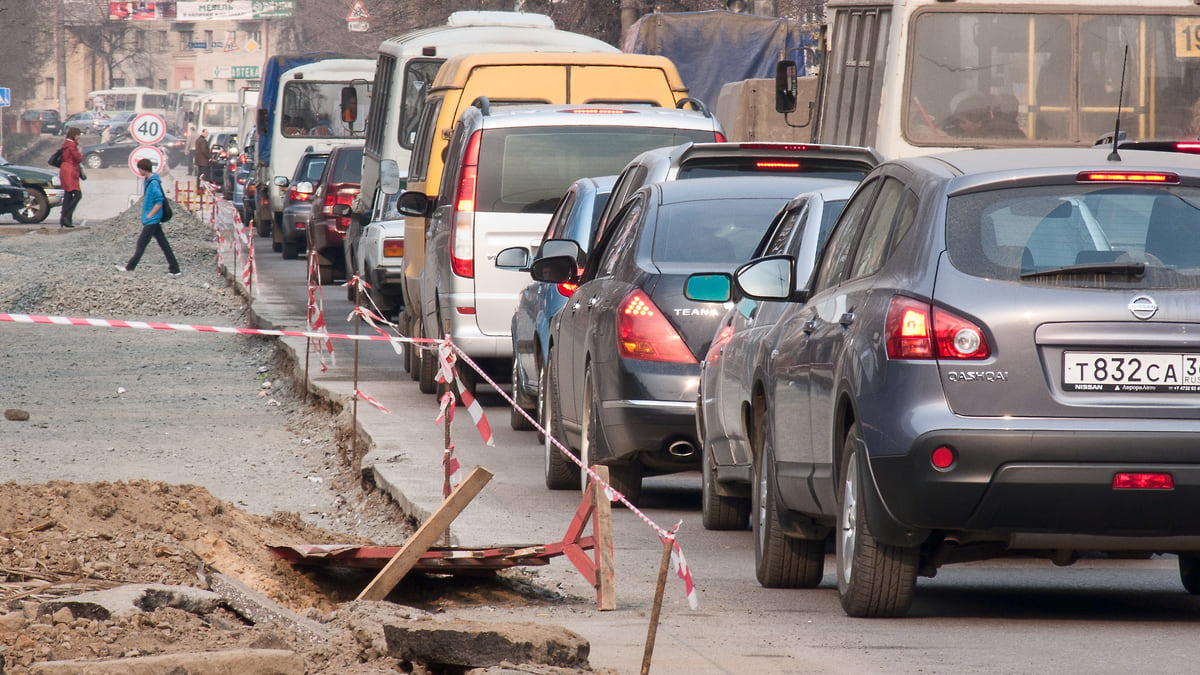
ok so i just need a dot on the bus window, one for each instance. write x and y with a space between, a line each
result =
314 109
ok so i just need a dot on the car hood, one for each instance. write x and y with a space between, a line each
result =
31 174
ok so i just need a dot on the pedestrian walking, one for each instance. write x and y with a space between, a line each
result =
202 157
152 211
69 174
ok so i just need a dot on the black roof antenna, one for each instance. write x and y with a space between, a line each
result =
1113 156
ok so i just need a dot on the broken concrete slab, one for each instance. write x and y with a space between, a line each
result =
258 608
132 598
467 644
233 662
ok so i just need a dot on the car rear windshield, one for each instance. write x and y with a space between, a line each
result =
711 230
527 170
311 169
1079 235
709 167
347 166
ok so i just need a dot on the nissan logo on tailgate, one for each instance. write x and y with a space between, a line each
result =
1143 307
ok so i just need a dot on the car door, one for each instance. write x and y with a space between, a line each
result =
576 318
790 369
844 339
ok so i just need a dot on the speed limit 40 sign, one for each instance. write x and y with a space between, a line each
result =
147 128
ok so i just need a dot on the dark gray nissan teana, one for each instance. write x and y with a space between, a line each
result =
999 352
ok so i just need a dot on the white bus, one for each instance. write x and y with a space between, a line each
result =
912 77
179 109
407 64
217 112
130 99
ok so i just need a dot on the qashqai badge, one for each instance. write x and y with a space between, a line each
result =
1143 307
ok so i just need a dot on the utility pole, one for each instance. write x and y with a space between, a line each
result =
60 54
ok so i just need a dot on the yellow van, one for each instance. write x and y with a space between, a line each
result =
517 77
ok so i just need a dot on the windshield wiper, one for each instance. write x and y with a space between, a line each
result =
1135 269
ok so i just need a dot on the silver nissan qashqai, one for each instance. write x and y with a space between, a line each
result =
998 353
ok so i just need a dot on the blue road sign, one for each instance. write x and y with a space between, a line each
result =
5 97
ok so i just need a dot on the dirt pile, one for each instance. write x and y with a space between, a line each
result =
157 457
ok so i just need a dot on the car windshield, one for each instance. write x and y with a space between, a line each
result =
1079 235
711 230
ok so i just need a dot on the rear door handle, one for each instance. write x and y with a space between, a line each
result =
846 319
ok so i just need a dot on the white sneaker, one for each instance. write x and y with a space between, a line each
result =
122 268
174 274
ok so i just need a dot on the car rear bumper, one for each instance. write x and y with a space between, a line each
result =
1044 481
387 280
648 412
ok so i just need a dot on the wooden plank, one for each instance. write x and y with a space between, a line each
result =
426 536
606 590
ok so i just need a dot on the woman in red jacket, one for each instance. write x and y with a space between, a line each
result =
69 173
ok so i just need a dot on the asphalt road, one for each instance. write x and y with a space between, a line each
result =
1010 616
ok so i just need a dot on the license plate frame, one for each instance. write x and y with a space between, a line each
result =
1131 372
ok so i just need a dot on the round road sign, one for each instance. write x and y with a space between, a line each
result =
147 128
156 157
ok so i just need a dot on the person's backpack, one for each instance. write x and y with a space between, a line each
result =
166 211
56 159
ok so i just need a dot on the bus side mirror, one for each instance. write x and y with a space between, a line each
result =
785 87
349 104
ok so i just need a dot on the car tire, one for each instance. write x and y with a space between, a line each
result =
263 226
560 473
413 355
718 512
1189 572
516 414
35 209
780 561
626 479
93 161
426 381
541 437
289 248
875 580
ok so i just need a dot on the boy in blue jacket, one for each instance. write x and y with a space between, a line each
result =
152 206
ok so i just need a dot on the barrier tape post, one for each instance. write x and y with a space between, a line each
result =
425 536
448 455
652 632
354 411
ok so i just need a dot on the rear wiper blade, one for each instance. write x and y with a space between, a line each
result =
1129 269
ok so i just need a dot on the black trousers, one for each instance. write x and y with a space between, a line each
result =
156 232
70 201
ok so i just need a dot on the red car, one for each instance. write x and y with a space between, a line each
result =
340 184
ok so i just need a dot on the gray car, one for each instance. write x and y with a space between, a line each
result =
996 355
290 238
728 371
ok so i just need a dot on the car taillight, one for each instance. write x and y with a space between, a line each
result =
566 288
721 339
914 330
644 333
298 196
462 235
720 137
393 248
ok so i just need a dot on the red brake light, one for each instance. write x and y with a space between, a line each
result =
462 236
297 196
597 111
1143 481
1188 146
913 331
1125 177
720 137
567 288
776 165
791 147
644 333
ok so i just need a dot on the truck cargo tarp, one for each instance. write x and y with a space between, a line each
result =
714 47
275 67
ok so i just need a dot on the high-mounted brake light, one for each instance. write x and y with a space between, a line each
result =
914 330
774 165
598 111
1188 146
644 333
1125 177
791 147
462 235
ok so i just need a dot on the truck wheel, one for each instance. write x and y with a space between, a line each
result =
35 209
874 579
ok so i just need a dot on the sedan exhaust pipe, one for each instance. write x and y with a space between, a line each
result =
681 449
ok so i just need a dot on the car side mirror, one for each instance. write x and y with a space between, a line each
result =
786 87
513 259
770 278
389 176
413 203
349 104
552 248
281 181
341 210
555 270
708 287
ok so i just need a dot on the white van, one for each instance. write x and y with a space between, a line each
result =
217 112
407 64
